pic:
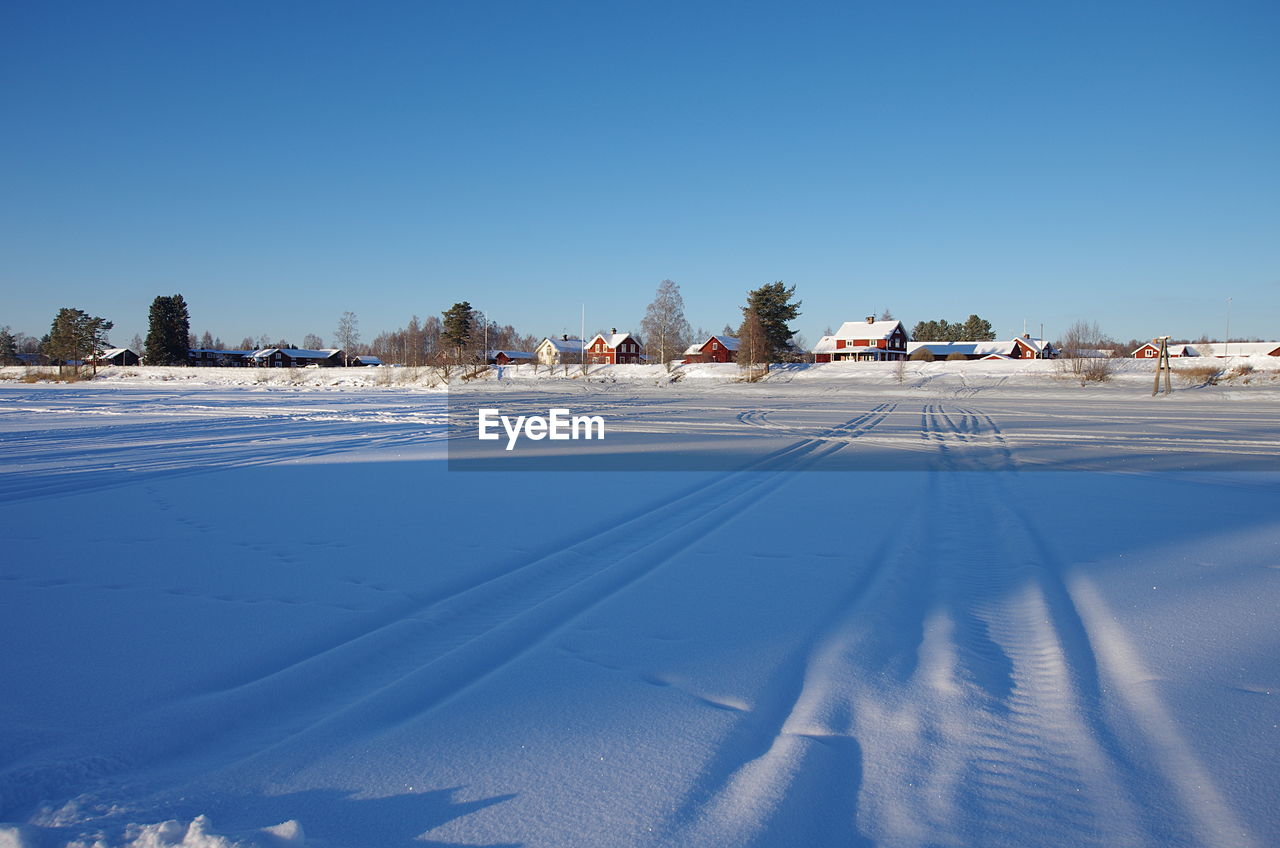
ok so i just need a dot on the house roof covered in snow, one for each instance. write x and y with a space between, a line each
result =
1238 349
297 353
613 339
562 344
866 330
512 354
942 349
726 342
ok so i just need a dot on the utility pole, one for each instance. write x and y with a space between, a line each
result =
1163 366
1226 343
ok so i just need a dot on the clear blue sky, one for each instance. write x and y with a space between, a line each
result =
278 163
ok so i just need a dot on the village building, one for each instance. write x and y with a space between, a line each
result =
714 349
510 357
1218 349
115 356
614 349
562 351
865 341
209 358
274 357
1021 347
1026 347
366 360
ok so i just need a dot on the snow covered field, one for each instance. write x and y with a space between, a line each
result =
270 614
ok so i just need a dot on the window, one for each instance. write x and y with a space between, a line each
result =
715 346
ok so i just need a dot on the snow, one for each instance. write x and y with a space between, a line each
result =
265 614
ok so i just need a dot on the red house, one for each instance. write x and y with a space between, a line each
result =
714 349
614 349
871 341
1151 350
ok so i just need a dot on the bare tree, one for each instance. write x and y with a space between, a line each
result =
664 325
312 342
1080 348
753 346
347 336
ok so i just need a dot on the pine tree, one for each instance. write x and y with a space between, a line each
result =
8 347
772 306
75 336
977 330
168 334
456 332
664 324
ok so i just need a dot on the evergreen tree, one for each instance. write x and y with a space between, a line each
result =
974 329
456 331
75 336
978 330
8 347
772 306
664 324
169 332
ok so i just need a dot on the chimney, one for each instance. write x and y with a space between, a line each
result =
871 319
613 330
1026 335
565 337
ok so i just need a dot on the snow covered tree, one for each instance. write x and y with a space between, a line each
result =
773 308
664 328
168 335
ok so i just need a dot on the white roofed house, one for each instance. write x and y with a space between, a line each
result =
1220 349
1029 348
565 350
969 350
614 349
1021 347
115 356
510 357
275 357
865 341
715 349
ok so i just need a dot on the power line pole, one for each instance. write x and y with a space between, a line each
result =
1163 366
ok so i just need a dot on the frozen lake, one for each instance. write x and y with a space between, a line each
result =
288 606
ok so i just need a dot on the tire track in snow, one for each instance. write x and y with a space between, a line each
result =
425 654
986 737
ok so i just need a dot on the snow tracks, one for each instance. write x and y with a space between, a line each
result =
969 690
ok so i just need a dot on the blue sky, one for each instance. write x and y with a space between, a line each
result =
279 163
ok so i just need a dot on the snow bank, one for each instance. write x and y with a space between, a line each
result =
1236 371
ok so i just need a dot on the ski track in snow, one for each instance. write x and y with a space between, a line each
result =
968 687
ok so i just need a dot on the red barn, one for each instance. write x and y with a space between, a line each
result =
714 349
614 349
